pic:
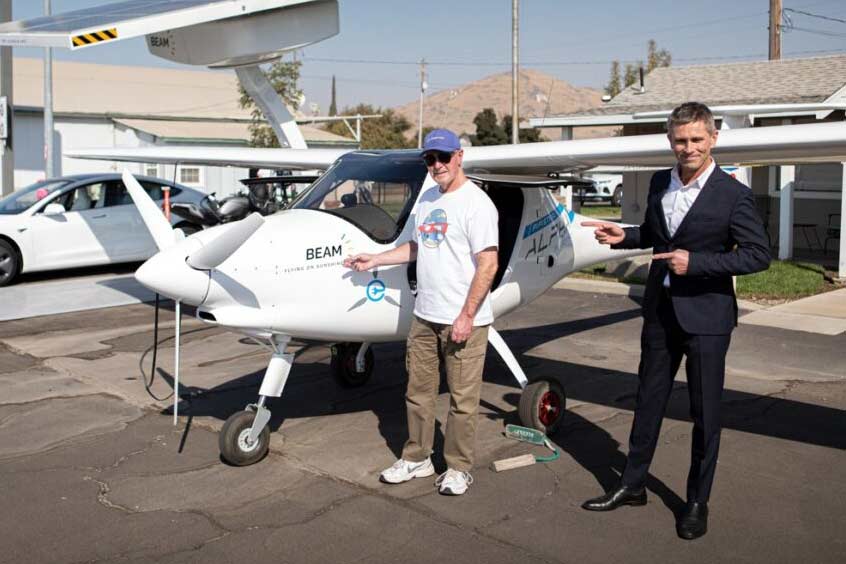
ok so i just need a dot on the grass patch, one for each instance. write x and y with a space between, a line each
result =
784 280
602 212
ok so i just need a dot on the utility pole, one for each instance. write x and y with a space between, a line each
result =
775 30
420 113
7 157
48 104
515 73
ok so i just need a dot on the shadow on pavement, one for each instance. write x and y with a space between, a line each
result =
311 391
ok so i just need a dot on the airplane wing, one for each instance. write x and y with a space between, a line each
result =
299 159
785 144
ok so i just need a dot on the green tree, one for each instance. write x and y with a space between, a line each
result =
631 74
386 132
525 135
613 88
488 130
656 58
283 76
427 129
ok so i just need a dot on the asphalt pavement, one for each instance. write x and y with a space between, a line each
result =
93 470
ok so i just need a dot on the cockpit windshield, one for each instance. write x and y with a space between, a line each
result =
373 191
22 199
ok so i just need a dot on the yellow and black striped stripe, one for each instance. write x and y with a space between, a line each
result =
94 37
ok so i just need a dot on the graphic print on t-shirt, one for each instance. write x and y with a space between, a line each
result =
434 228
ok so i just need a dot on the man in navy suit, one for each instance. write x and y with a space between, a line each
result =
703 228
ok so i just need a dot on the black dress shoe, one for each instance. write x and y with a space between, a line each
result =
694 521
621 495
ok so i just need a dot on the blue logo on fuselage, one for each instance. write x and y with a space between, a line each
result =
376 290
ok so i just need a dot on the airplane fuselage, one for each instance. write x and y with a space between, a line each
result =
288 278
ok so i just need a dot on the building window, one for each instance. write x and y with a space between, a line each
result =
151 170
189 175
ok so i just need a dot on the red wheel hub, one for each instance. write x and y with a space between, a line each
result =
549 408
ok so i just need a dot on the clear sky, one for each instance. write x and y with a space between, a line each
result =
374 56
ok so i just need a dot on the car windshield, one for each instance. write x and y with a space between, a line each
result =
22 199
373 191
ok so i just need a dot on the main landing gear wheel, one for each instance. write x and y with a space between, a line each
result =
343 364
542 406
234 443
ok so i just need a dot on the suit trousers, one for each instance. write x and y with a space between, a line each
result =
663 343
464 362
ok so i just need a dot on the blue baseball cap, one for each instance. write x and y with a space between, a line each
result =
441 140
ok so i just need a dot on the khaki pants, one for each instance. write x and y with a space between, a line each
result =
464 364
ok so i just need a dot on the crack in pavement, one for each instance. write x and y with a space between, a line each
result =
409 504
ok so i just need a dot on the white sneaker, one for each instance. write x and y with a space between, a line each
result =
404 470
453 482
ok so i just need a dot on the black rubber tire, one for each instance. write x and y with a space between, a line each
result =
10 263
343 365
231 440
542 406
617 197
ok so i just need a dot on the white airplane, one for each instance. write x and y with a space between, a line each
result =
282 277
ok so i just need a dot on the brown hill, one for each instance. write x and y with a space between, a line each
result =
540 94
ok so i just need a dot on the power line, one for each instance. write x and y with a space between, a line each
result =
542 63
809 14
818 31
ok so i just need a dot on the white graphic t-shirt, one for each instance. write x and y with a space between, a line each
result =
450 228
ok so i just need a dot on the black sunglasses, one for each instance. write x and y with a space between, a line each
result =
439 156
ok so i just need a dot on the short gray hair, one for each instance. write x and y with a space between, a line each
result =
690 112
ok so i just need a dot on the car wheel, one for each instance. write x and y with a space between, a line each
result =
617 198
10 263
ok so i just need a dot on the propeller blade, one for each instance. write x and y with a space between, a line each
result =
220 248
154 219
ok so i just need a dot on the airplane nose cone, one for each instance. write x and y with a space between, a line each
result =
169 275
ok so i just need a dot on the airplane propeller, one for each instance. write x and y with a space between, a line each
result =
208 257
159 227
220 248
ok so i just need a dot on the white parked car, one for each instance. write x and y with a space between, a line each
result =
607 188
81 220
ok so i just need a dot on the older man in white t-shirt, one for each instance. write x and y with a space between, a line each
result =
455 244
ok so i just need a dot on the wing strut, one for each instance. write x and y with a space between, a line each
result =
272 106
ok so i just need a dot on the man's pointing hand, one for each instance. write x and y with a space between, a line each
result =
606 233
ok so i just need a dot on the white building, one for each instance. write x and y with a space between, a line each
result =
109 106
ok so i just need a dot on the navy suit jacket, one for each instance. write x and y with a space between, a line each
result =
724 235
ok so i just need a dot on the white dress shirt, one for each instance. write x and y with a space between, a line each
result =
679 198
